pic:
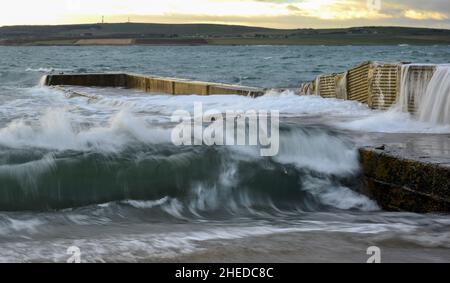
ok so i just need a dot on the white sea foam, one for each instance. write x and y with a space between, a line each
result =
147 204
347 114
318 151
112 123
391 121
286 102
59 129
337 196
12 225
163 246
47 70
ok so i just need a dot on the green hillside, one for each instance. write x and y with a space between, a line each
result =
141 33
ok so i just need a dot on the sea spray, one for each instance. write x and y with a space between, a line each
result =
435 104
60 129
414 79
315 149
425 91
43 81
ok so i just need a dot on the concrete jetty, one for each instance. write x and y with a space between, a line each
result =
151 84
413 172
402 181
377 84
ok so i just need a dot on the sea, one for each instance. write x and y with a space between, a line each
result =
100 175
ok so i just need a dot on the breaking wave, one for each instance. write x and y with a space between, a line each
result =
59 161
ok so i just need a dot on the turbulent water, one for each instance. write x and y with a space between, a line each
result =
102 174
435 106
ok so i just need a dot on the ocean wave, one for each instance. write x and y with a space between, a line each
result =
48 70
59 129
183 182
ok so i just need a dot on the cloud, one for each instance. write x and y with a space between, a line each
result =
293 8
425 15
336 10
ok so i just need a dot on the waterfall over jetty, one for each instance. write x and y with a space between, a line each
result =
435 104
425 90
43 81
413 84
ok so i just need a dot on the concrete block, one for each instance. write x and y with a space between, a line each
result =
398 183
160 85
190 87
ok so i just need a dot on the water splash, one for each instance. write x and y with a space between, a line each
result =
43 81
424 91
413 84
435 104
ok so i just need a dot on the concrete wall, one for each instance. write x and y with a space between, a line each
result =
188 87
401 184
329 86
326 86
384 85
97 80
373 83
358 83
160 85
151 84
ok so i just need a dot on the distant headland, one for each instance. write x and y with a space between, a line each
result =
211 34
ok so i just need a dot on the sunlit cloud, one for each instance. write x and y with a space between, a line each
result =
425 15
336 10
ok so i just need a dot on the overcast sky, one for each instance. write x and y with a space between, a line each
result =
268 13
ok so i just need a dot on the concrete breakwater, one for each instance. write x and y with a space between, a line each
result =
373 83
151 84
394 177
380 85
402 181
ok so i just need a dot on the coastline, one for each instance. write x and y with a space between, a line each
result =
222 42
207 34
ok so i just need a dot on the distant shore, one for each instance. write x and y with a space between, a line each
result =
219 41
205 34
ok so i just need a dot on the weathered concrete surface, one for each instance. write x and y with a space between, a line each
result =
98 80
190 87
160 85
152 84
376 84
403 180
105 41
